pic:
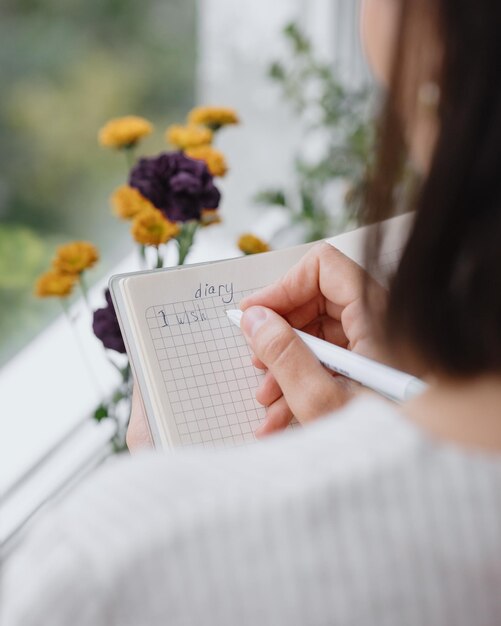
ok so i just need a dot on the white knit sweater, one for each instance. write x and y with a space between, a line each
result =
359 519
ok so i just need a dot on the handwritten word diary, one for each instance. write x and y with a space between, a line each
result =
224 291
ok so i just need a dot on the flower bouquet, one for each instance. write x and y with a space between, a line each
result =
167 198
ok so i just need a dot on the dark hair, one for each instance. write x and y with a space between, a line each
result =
445 297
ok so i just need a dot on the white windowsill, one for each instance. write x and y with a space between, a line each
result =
48 393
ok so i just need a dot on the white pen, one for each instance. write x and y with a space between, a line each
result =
389 382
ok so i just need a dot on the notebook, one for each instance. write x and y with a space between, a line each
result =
192 365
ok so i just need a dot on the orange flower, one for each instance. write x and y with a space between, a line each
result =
53 283
124 132
208 217
213 158
188 136
75 257
213 117
151 228
250 244
127 202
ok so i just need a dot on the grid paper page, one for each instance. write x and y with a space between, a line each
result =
207 371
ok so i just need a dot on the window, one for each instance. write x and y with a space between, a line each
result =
65 69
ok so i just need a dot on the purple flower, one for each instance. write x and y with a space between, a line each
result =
106 328
180 187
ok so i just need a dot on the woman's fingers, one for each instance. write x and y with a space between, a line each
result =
138 432
328 329
308 388
305 313
278 417
323 270
269 391
257 363
360 331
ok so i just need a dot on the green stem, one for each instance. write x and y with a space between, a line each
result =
85 360
130 156
183 253
80 347
142 255
160 261
126 372
85 292
185 240
113 364
66 311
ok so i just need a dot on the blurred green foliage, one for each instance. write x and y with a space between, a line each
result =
343 117
65 69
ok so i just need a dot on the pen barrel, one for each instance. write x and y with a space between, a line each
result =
387 381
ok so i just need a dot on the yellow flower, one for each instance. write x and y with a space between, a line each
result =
75 257
250 244
53 283
124 132
209 217
188 136
214 158
127 202
213 117
151 228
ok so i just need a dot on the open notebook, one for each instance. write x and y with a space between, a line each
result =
192 365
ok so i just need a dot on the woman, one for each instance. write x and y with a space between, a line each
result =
375 513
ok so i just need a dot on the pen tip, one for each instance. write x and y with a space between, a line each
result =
234 315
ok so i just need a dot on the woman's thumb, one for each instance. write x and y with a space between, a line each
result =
308 388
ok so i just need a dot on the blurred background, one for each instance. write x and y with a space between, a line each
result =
294 72
65 68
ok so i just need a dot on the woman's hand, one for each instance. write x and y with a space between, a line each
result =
138 433
321 295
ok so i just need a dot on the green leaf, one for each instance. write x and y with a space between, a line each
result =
324 104
101 412
297 38
277 71
274 197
